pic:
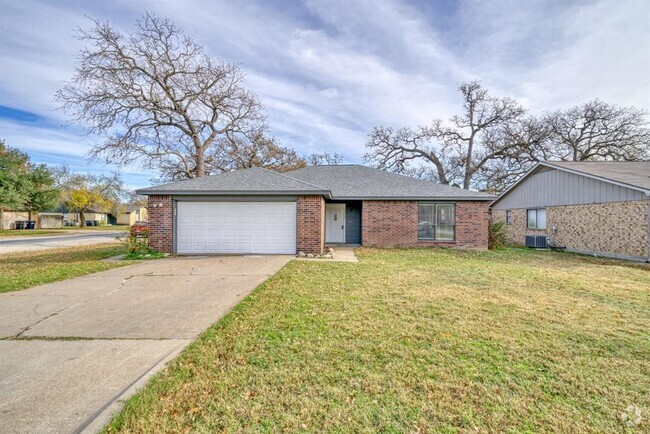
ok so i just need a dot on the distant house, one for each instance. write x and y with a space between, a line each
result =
590 207
73 218
43 220
132 214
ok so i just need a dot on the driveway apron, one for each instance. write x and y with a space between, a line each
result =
71 351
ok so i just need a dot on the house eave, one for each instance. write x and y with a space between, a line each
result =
418 198
575 172
148 192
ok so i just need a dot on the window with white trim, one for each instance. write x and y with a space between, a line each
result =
436 221
536 218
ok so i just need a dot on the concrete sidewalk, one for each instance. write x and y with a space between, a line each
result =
71 350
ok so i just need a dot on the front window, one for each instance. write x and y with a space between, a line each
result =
436 221
508 217
536 218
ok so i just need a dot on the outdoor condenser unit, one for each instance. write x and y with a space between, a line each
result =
537 241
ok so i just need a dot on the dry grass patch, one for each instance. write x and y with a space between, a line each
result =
417 341
26 269
10 233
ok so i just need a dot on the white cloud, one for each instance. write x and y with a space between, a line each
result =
328 72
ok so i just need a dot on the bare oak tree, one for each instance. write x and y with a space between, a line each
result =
597 130
458 150
324 159
259 151
157 98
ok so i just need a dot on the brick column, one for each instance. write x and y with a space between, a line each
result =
161 222
310 224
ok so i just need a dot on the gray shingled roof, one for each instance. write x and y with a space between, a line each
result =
632 173
338 182
362 182
254 181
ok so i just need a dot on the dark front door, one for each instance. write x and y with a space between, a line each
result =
353 223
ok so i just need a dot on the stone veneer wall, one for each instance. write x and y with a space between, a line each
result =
161 223
392 223
310 224
615 228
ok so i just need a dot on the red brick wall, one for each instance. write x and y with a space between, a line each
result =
393 223
310 224
161 220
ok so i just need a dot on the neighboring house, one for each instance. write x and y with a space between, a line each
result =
262 211
72 218
589 207
132 214
44 220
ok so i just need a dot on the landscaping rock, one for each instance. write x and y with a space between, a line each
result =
331 252
309 255
301 254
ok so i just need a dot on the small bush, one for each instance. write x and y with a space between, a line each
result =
138 244
497 235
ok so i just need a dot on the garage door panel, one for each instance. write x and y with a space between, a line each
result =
236 227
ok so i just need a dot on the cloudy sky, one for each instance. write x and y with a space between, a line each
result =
328 71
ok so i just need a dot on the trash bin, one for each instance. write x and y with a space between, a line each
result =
95 223
31 224
89 222
20 224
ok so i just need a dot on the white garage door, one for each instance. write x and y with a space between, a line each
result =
236 227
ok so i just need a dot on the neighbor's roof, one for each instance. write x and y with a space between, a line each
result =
336 182
131 208
631 174
362 182
254 181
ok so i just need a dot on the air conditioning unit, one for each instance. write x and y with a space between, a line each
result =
537 241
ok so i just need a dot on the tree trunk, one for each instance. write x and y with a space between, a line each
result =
82 222
467 181
200 162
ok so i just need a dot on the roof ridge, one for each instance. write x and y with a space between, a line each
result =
294 179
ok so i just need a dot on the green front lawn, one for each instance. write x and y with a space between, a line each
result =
26 269
417 341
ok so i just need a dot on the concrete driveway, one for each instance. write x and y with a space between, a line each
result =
71 351
27 243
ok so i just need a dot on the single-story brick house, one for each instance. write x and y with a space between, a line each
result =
593 207
261 211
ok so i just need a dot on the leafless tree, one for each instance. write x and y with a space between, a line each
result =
324 159
260 151
458 150
597 130
157 98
